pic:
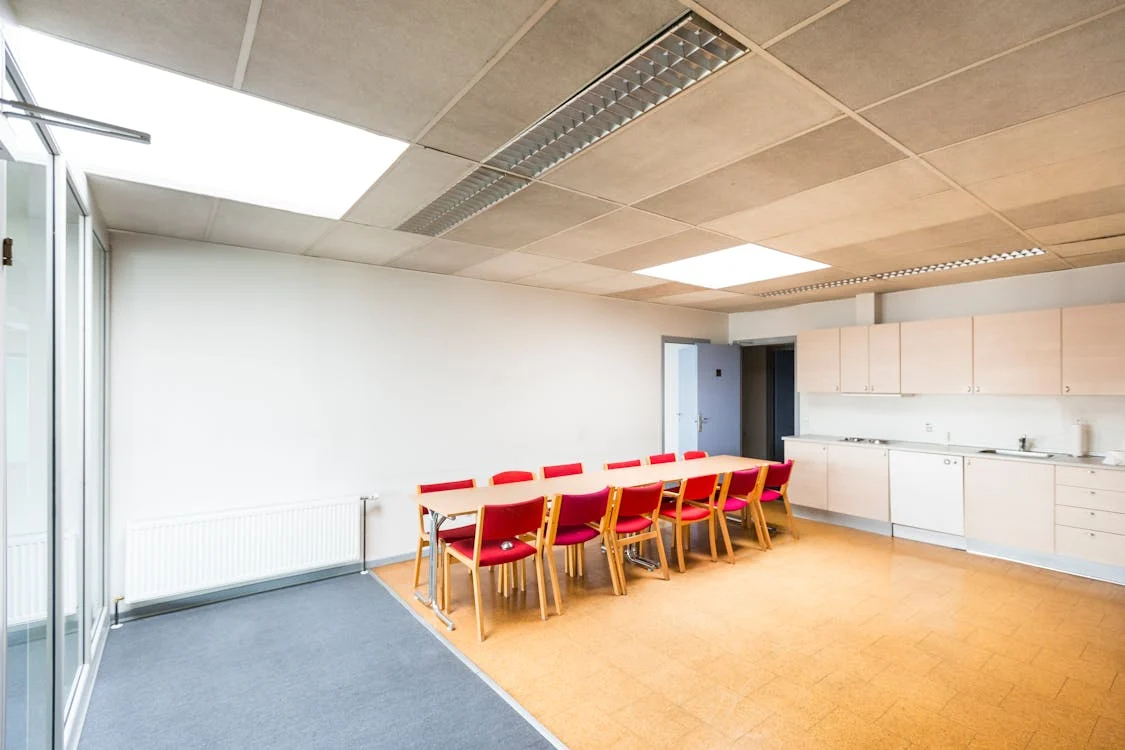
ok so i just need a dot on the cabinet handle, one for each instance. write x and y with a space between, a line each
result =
1093 472
1092 513
1067 389
977 389
969 389
955 462
1093 492
1092 534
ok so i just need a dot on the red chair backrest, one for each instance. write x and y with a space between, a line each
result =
586 508
640 501
508 477
743 482
507 521
662 458
777 475
700 488
460 484
561 470
689 455
623 464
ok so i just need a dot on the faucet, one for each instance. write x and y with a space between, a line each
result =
1023 442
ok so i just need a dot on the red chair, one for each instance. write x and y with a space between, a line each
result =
690 455
510 477
623 464
633 519
740 493
561 470
662 458
444 535
694 503
498 542
777 488
575 520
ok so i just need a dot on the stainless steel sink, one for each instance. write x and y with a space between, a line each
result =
1017 454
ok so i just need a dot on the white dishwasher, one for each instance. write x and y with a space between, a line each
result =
928 497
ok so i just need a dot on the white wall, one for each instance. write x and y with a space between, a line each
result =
243 378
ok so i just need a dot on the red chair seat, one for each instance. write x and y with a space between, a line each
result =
633 524
567 535
457 533
734 503
768 496
492 554
687 512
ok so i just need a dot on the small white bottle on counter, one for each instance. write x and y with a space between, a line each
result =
1080 438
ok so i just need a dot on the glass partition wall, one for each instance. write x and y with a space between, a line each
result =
53 345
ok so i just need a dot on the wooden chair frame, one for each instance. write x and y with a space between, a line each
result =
575 553
615 545
679 523
424 538
790 524
752 510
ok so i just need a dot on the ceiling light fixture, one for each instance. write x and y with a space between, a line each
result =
742 264
206 138
683 54
946 266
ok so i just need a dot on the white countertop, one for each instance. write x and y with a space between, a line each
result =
971 451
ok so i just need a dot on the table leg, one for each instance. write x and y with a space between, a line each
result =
436 520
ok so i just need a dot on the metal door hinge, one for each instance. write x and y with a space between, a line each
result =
7 251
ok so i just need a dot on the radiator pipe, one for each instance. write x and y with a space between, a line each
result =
363 535
116 614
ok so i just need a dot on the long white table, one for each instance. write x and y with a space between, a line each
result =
445 505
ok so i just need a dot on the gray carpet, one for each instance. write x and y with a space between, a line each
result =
334 664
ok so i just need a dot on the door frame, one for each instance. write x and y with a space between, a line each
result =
671 340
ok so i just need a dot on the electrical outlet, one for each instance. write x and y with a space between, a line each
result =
929 427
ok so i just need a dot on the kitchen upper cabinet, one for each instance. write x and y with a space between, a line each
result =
858 481
937 356
869 359
1093 350
1010 503
818 361
808 484
1018 353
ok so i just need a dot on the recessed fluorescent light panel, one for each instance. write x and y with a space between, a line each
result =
733 266
205 138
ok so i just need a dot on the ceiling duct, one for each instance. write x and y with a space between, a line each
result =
683 54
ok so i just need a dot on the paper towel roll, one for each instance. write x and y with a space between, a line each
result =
1080 439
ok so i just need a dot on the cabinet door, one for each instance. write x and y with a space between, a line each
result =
1093 350
818 361
1018 353
1010 503
858 483
853 360
808 485
937 356
927 491
883 371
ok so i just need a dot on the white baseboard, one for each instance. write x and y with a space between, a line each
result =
843 519
929 537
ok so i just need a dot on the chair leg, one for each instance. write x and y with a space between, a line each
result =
711 536
760 526
610 545
789 516
477 603
445 583
542 584
680 547
726 536
619 562
418 562
550 554
580 553
521 571
663 557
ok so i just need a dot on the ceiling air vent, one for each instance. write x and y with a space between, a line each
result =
683 54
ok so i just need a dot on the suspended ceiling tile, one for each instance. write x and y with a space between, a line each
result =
419 176
246 225
829 153
383 65
511 266
1090 247
1086 129
568 48
928 211
883 187
444 256
685 244
616 283
606 234
533 213
742 108
984 227
789 282
762 20
1084 174
1072 68
663 289
883 261
565 277
741 303
868 50
364 244
134 207
1097 259
1097 203
698 297
199 38
1082 229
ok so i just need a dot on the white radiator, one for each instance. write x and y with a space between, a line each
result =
27 577
172 556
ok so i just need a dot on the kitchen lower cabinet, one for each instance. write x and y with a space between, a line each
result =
927 491
858 483
1010 503
808 484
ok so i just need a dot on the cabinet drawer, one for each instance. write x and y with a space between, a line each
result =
1092 520
1079 497
1095 479
1096 546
